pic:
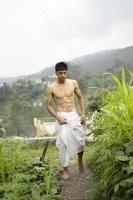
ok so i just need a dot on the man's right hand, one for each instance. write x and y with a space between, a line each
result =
61 119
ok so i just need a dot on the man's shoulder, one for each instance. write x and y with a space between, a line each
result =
51 85
72 80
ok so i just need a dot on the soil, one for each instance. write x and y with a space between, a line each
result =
77 187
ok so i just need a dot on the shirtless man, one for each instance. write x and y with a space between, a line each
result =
62 92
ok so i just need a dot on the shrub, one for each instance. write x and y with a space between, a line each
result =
20 180
112 159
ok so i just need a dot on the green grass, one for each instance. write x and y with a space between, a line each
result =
19 179
34 151
52 154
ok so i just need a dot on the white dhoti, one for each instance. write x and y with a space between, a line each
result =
70 137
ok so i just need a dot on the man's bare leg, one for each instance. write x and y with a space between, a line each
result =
65 175
80 162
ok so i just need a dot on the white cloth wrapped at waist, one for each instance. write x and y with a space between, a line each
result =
70 137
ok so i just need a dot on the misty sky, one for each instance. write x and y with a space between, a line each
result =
35 34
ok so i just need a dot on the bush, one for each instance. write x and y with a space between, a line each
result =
112 159
20 180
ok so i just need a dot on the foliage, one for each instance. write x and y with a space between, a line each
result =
95 99
19 104
20 180
112 159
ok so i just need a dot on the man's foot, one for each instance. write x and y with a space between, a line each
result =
65 176
80 166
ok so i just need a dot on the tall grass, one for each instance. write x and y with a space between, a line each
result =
112 159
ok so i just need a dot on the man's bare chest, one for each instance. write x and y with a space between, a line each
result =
63 91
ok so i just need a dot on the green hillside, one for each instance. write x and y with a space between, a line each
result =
98 62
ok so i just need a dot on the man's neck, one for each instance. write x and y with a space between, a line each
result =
61 82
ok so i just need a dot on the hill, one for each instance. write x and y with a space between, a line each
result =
92 63
102 61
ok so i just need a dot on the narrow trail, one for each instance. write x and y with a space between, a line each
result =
76 188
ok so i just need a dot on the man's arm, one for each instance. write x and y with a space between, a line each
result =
49 97
81 101
49 102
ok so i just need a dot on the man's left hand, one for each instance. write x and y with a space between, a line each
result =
82 119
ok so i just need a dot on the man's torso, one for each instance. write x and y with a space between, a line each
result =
63 95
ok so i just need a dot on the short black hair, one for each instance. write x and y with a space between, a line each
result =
61 66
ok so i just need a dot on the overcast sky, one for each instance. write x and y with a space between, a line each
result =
35 34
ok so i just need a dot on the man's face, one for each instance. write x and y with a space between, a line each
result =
62 75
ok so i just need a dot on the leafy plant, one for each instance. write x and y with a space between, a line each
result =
112 159
20 180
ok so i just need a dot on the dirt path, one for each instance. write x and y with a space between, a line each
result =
77 187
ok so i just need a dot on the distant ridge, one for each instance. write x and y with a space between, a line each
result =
92 63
